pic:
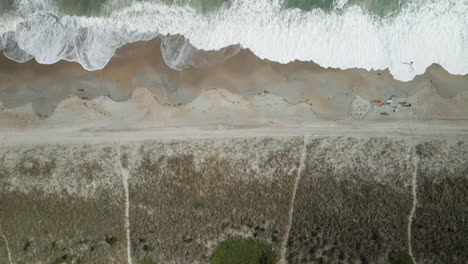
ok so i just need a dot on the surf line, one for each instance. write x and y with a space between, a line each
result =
6 245
125 176
291 205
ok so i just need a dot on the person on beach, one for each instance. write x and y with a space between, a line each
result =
410 64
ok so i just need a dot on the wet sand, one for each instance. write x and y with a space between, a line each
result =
244 90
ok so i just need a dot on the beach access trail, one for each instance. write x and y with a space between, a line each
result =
450 130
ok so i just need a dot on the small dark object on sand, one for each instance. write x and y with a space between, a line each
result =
405 104
384 113
85 98
81 89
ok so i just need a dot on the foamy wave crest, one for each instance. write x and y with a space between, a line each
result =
436 32
423 32
11 48
38 32
179 54
88 41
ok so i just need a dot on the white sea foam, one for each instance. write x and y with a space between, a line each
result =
436 32
337 4
179 54
12 49
89 41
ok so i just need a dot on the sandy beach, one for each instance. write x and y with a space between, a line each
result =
139 163
137 89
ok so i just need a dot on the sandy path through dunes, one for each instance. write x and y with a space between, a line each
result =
452 131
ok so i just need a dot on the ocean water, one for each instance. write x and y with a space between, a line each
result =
368 34
376 7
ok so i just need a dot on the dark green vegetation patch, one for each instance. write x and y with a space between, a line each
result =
199 205
400 258
243 251
147 260
64 259
111 240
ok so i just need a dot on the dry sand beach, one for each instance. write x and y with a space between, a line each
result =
137 89
141 163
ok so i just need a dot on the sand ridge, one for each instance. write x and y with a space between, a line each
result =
265 92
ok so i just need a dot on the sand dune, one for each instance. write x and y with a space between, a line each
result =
138 89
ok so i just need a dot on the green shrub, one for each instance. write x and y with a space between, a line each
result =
400 258
112 241
243 251
188 240
147 260
199 205
64 259
27 245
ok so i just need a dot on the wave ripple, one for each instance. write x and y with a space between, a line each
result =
346 37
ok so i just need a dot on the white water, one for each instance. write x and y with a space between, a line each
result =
437 32
179 54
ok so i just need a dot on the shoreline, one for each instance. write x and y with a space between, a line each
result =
138 90
384 42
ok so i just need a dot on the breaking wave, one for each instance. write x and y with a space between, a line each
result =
404 36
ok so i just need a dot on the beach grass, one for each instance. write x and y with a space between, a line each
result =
243 251
199 205
147 260
400 258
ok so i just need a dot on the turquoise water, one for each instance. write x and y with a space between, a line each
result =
380 7
203 6
81 7
375 7
6 5
105 7
308 5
